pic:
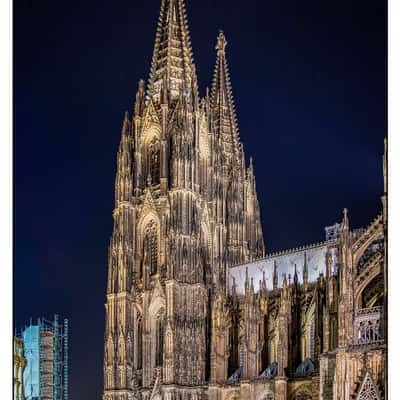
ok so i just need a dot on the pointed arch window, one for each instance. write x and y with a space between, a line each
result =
308 335
333 334
153 156
312 338
151 247
241 346
272 349
159 341
139 343
234 345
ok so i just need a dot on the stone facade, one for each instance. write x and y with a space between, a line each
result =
195 310
19 366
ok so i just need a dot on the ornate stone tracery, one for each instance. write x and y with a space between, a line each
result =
368 390
150 247
153 159
368 326
186 215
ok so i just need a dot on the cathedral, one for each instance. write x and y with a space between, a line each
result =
195 308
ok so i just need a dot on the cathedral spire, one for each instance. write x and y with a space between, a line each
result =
172 57
222 98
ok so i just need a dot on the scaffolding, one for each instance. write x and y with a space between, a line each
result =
46 348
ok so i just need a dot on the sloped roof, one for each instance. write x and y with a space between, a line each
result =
285 261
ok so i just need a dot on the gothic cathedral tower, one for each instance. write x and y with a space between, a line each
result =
186 209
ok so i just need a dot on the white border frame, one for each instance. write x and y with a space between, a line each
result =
6 244
393 192
6 326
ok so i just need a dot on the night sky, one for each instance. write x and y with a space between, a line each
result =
309 81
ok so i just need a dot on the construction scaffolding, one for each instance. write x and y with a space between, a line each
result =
46 352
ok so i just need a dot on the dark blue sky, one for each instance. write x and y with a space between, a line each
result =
309 81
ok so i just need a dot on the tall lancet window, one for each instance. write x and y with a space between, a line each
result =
159 341
308 337
139 343
153 156
150 247
312 338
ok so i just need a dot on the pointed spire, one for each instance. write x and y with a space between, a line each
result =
345 219
251 178
139 102
234 294
344 235
264 283
251 167
305 272
295 276
125 125
123 180
172 54
221 44
124 145
222 99
275 277
328 264
246 281
284 284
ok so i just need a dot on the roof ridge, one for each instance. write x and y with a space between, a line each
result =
287 251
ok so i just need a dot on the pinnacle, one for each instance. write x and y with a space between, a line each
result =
222 99
172 56
345 219
221 43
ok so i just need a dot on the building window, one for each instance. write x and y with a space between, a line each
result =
139 344
312 338
151 247
308 336
154 161
159 341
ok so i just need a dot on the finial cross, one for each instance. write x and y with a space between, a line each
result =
221 43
